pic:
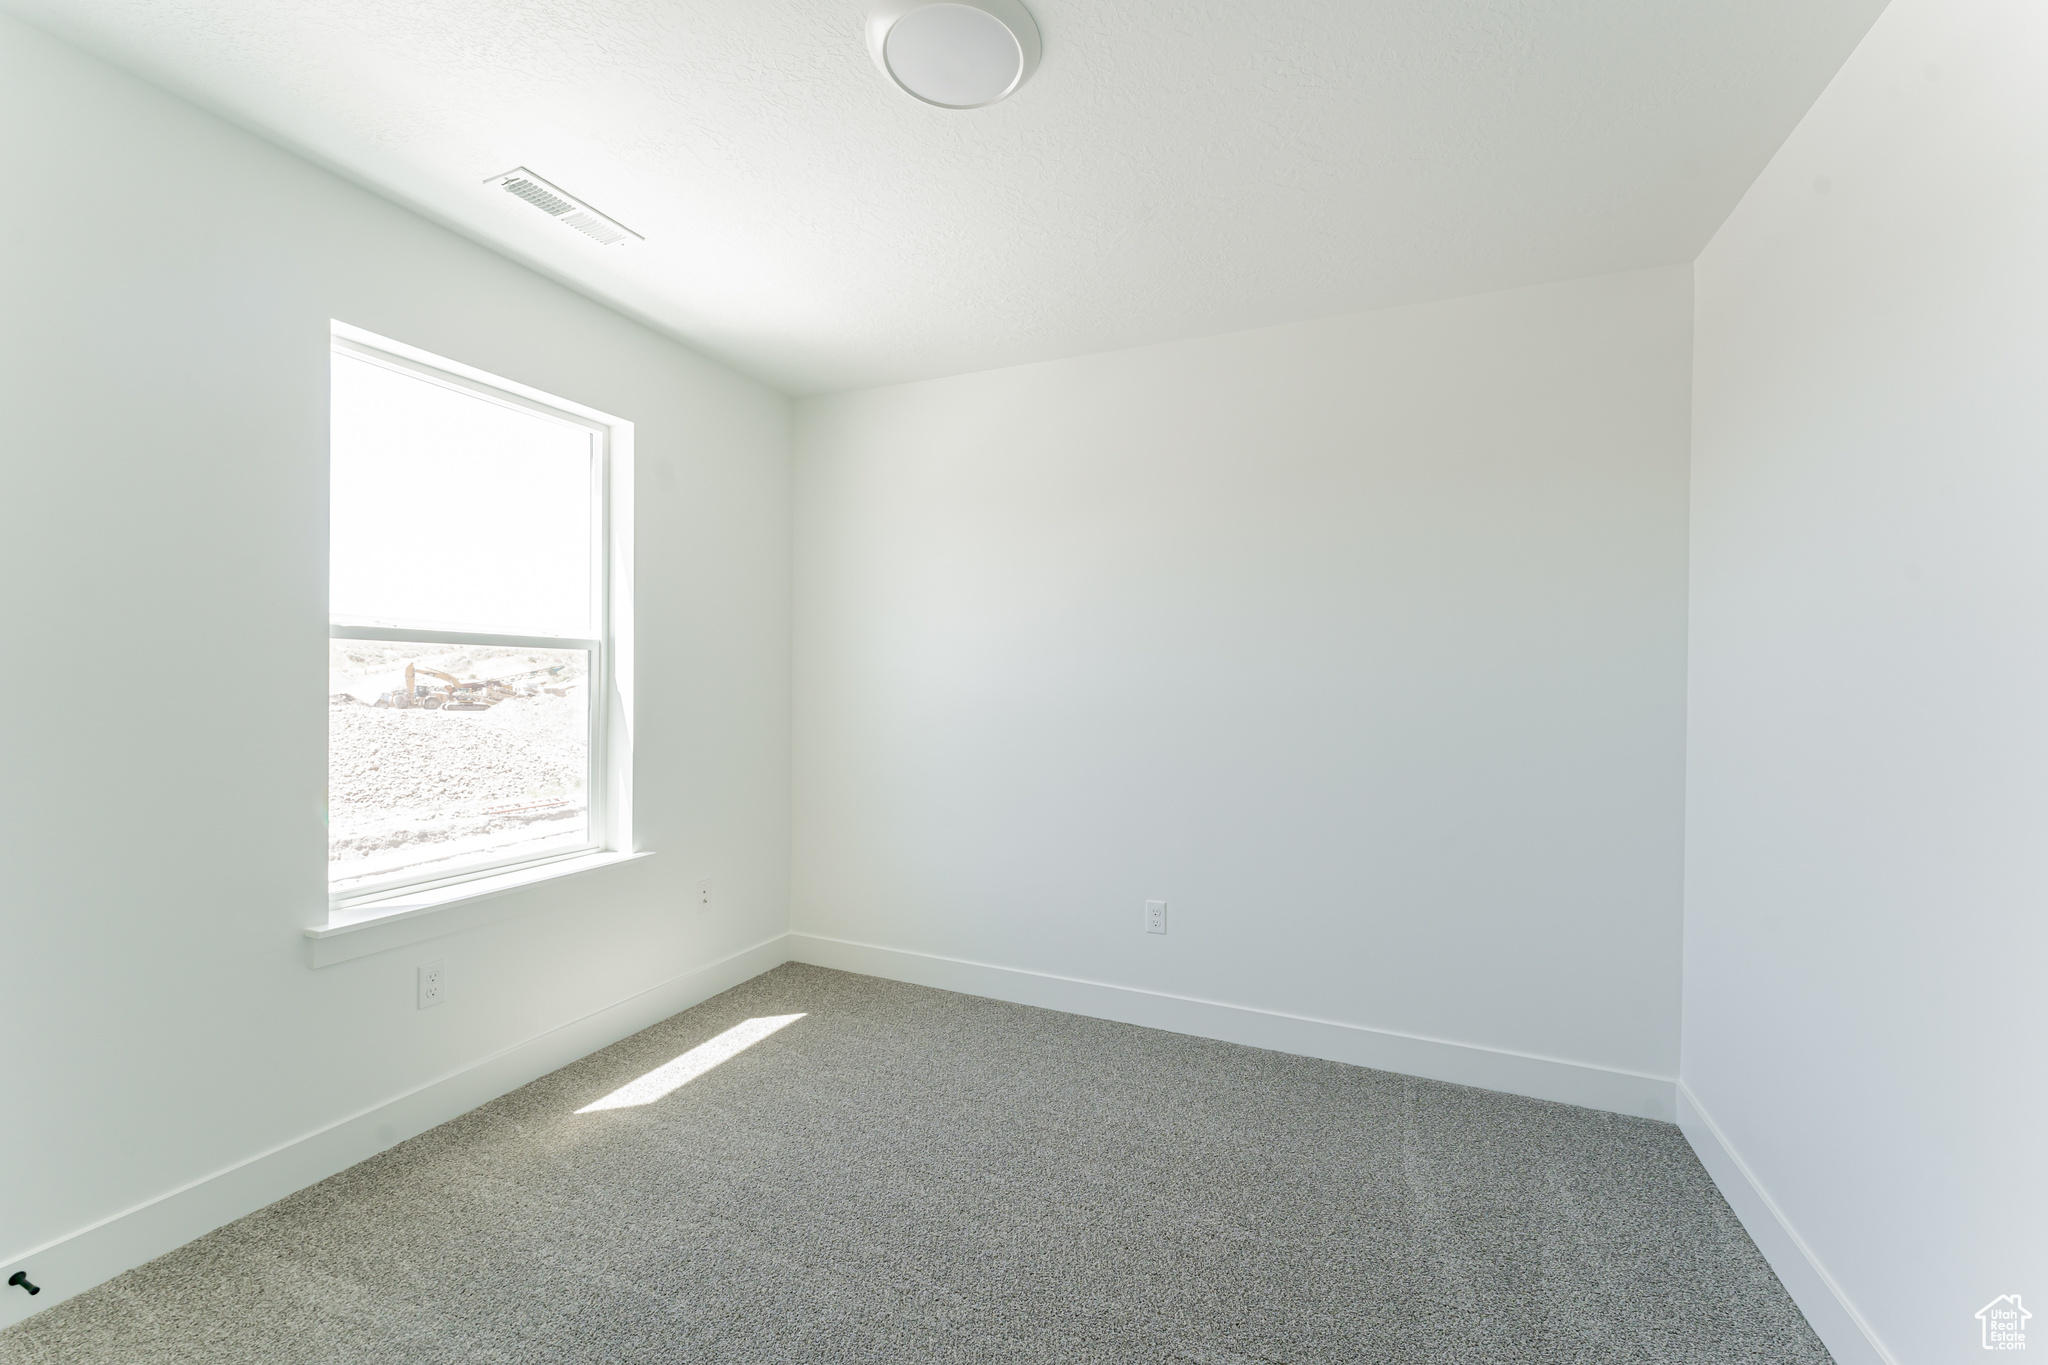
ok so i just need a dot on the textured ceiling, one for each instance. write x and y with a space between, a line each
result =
1175 168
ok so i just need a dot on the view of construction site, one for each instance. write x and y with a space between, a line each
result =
444 756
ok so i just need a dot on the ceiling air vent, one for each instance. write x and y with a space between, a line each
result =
564 208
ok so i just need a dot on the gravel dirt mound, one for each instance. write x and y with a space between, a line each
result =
412 789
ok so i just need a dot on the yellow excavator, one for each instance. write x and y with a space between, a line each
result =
479 695
456 696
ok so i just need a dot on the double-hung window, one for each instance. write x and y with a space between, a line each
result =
471 651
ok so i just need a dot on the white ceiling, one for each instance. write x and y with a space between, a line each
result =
1175 168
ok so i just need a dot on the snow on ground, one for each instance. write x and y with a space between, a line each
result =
420 791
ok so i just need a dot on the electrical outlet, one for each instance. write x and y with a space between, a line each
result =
1155 917
704 895
433 984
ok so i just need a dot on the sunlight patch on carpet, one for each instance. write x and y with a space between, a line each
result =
670 1077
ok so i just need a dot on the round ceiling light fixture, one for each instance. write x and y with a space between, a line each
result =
957 54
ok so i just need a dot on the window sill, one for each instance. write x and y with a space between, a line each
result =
401 918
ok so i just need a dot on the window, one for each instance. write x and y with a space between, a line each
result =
471 650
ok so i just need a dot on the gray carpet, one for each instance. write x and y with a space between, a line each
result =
909 1175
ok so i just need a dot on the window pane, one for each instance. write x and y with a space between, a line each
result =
491 766
454 512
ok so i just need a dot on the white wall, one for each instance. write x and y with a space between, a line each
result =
166 283
1868 753
1361 642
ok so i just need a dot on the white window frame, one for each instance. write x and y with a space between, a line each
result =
610 694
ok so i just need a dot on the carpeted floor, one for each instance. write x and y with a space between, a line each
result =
908 1175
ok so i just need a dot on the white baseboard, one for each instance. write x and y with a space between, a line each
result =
1543 1078
92 1255
82 1259
1834 1319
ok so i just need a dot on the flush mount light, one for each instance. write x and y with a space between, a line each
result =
957 54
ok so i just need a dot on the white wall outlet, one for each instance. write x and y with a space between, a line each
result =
1155 917
433 984
704 894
